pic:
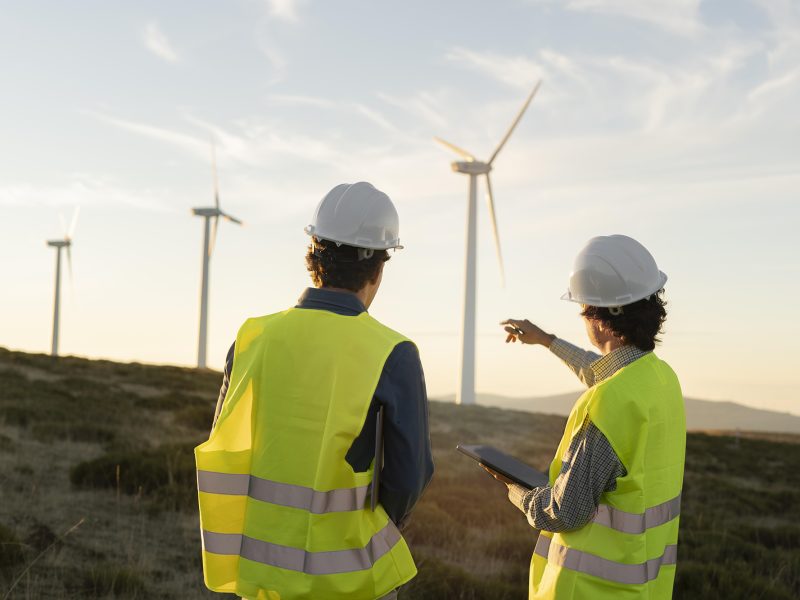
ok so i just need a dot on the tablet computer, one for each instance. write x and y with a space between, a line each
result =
504 464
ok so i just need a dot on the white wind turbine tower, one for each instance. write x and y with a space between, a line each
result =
474 168
60 244
209 239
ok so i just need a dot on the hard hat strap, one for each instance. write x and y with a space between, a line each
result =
365 253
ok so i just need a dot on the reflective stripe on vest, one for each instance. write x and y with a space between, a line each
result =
296 559
583 562
638 522
284 494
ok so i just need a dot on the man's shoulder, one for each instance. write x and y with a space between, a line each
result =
384 330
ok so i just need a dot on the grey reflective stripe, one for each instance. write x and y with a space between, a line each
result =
223 483
591 564
285 494
297 559
638 522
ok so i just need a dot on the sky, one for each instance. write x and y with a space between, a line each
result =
673 122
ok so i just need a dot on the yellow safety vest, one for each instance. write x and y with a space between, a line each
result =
283 515
629 549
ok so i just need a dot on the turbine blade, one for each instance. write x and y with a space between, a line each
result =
74 223
230 218
213 240
490 201
214 167
517 120
454 148
69 263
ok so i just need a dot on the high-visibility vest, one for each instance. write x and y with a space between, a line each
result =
283 515
629 548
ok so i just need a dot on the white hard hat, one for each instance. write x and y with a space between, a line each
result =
358 215
612 271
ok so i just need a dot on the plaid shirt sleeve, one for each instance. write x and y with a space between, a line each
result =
588 468
577 359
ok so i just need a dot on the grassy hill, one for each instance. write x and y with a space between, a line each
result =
108 447
700 414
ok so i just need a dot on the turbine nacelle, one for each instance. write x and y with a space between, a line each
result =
210 211
59 243
471 167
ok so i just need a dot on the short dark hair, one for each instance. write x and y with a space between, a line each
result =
333 265
638 324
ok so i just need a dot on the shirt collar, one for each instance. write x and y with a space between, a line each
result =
339 302
605 366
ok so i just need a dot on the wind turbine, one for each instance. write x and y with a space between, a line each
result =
209 239
65 242
474 168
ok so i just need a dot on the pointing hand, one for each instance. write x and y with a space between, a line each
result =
526 332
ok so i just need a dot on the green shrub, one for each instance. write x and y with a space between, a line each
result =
77 432
167 474
198 416
11 549
438 580
106 579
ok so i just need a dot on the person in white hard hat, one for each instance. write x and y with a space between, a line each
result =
608 519
325 381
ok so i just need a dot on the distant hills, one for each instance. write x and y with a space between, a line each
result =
700 414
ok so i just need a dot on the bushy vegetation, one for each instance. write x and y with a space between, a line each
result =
113 443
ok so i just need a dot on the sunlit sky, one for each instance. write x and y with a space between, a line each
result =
675 122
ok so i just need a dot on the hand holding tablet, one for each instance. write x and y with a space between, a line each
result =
508 467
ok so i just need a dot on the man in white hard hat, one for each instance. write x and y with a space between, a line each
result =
608 519
293 500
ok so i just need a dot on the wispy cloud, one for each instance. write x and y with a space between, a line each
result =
82 189
516 71
286 10
423 105
681 17
298 99
193 145
157 42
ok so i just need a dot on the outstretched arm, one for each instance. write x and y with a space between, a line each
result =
577 359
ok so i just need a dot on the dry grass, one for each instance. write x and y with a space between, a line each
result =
112 443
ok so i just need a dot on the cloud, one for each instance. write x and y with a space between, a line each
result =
155 41
195 146
285 10
679 17
516 71
86 190
298 99
423 105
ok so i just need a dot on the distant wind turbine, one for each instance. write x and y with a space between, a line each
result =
474 168
65 242
209 239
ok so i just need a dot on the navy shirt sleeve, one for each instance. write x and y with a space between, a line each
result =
408 460
226 382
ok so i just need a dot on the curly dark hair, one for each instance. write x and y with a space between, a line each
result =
333 265
638 324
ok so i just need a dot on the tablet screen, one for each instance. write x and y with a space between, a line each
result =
504 464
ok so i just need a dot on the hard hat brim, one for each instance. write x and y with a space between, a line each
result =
388 245
605 304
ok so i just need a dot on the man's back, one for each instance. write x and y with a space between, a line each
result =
302 384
